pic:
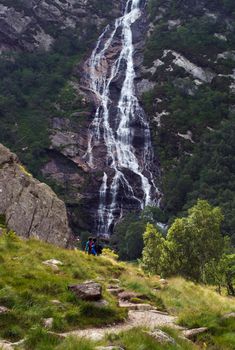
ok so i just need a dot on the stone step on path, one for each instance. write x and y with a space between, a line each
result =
134 306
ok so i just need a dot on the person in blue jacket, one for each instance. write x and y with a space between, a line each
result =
90 246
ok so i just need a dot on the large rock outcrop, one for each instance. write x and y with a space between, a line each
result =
28 25
31 208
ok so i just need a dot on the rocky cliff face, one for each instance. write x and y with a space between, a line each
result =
70 141
28 25
30 207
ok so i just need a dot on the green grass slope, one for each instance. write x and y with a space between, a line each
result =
29 289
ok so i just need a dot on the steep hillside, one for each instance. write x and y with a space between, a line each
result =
189 70
36 305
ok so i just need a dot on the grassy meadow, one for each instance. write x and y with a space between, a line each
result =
33 292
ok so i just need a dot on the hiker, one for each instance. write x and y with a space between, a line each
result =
88 247
98 247
93 247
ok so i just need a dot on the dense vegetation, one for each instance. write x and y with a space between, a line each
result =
32 84
193 247
208 174
200 167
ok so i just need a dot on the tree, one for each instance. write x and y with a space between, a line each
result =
153 249
128 237
222 273
194 241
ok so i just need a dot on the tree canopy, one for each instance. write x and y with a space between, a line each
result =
191 243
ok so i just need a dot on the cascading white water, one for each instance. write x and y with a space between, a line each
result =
118 133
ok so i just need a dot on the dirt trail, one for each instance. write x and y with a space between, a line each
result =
136 318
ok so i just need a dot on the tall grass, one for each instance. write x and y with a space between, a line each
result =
28 287
139 339
200 306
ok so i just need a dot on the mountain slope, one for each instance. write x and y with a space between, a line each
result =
184 78
189 68
34 292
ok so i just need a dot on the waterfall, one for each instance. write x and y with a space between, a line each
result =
128 176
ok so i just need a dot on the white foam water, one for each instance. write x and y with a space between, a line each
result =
118 139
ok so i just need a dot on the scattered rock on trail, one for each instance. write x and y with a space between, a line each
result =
163 282
3 310
5 346
53 263
101 303
229 315
161 337
192 333
90 291
56 302
134 306
129 295
48 322
114 280
115 290
109 348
